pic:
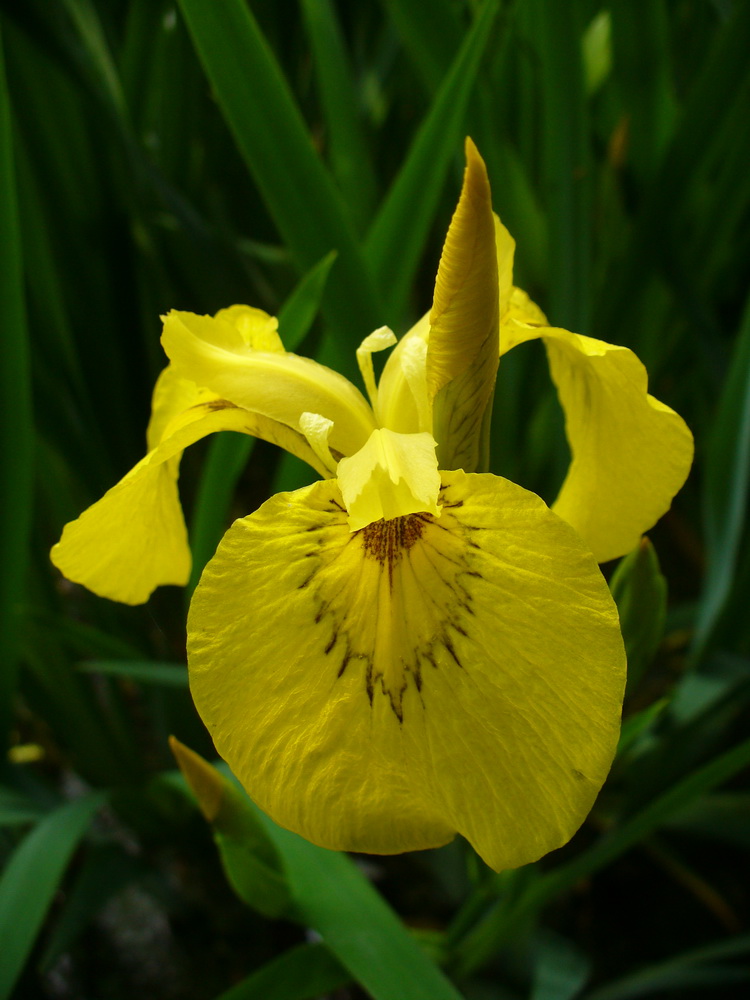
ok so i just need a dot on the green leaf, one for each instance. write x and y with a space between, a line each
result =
348 153
106 870
722 817
272 137
657 240
396 239
31 879
640 592
429 34
298 313
597 51
142 671
634 727
89 27
554 33
16 809
332 896
303 973
250 859
727 480
16 420
644 80
682 972
560 969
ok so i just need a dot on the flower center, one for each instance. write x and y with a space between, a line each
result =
386 541
393 598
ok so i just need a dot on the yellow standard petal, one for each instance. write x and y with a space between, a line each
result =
462 352
383 689
214 352
403 402
630 453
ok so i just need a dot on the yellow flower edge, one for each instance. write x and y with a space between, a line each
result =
134 538
384 689
631 454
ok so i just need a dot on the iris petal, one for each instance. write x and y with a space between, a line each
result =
134 539
381 690
212 352
631 453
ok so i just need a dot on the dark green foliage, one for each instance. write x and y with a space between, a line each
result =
192 155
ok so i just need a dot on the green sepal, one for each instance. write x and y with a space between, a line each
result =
250 860
640 592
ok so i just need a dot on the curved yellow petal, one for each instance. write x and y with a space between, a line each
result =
380 690
257 329
172 395
630 453
462 352
134 539
378 340
521 309
393 475
505 247
403 401
212 352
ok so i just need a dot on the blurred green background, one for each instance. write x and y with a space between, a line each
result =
156 155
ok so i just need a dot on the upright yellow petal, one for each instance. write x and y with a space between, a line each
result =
630 453
404 404
381 690
462 353
393 475
212 352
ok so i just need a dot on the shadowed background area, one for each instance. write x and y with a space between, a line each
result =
158 155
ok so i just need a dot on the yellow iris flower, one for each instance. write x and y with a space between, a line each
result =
408 648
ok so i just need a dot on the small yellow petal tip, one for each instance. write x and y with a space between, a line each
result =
474 161
204 780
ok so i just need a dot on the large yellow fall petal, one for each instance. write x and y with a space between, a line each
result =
212 352
134 539
381 690
630 453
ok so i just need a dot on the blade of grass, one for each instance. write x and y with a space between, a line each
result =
271 135
87 23
689 969
348 153
561 970
106 870
709 103
397 236
556 38
429 32
31 879
334 897
302 973
642 65
726 484
142 671
16 809
16 419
